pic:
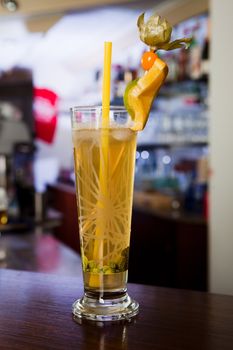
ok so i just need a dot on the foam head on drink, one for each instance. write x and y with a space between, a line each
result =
104 166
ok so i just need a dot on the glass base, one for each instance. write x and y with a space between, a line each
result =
123 308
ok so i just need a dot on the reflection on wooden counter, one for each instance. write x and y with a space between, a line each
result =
39 252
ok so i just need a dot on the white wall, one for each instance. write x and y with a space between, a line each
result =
62 148
221 139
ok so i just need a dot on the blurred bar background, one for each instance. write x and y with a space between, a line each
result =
51 59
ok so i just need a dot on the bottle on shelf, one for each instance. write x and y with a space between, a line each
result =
122 75
205 55
171 60
195 59
183 58
3 206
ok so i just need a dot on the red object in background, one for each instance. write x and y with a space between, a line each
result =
45 113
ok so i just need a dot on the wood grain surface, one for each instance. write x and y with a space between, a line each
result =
38 252
35 313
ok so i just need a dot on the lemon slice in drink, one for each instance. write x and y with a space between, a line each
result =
140 93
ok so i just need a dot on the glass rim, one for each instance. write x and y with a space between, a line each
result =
113 108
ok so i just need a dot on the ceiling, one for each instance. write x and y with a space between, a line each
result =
40 15
33 8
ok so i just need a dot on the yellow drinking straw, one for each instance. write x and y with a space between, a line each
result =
97 280
106 84
106 88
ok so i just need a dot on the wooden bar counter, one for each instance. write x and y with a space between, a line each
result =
35 313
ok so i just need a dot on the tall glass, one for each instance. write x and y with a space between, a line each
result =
104 161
